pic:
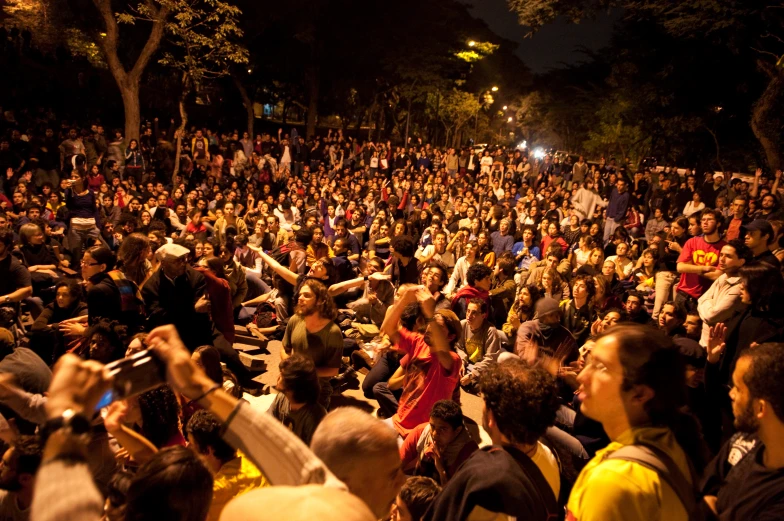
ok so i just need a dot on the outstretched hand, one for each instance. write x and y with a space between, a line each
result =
716 343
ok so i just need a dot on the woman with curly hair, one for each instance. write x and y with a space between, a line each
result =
522 310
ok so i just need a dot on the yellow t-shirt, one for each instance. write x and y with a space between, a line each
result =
619 490
233 479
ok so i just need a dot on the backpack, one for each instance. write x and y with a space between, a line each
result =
548 499
662 464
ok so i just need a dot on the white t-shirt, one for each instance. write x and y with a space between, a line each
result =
544 459
9 508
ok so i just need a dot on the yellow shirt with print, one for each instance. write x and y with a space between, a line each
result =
234 478
619 490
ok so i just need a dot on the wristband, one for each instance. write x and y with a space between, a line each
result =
204 395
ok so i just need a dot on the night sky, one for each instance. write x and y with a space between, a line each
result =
554 45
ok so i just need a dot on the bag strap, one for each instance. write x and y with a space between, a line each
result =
537 478
661 463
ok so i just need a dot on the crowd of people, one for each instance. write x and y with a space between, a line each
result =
620 327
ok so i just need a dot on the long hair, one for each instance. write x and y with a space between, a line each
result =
650 357
325 304
132 257
765 286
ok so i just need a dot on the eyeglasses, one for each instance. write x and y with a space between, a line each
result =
83 263
592 364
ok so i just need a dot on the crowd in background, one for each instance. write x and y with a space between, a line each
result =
619 324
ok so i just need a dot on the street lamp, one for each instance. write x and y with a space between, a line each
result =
509 119
494 89
505 107
472 43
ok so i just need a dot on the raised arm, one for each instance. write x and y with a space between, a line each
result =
285 273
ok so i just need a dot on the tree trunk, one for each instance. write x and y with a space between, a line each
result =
186 87
312 80
285 109
765 121
133 119
128 81
247 102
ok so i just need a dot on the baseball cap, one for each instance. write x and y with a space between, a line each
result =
760 225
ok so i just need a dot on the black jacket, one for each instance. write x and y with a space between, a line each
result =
173 303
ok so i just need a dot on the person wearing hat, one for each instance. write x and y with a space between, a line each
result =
545 337
712 188
758 237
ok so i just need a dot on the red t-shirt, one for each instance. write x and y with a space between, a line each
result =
425 383
700 253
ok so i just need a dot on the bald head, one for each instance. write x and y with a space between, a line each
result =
362 452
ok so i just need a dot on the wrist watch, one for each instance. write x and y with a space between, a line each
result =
76 423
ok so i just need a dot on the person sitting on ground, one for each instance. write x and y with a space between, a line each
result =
45 337
438 448
232 473
479 278
479 344
544 339
416 496
517 476
432 370
20 464
635 308
404 267
296 404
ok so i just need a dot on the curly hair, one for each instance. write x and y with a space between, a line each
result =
477 272
206 429
448 411
325 305
522 398
114 332
590 284
299 376
160 412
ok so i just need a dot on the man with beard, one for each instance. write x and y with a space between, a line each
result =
311 332
746 478
17 477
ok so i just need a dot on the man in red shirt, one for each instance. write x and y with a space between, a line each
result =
699 261
738 209
432 370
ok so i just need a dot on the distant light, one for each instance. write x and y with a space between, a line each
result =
539 153
505 107
522 145
472 43
509 119
494 89
250 70
103 34
718 109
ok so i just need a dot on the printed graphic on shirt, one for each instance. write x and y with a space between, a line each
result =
703 258
740 447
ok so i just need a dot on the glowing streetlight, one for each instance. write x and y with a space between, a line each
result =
494 89
509 119
472 43
505 107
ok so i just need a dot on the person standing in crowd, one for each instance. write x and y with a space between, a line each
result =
633 383
699 260
744 479
616 209
759 237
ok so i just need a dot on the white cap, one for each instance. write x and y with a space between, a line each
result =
172 250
